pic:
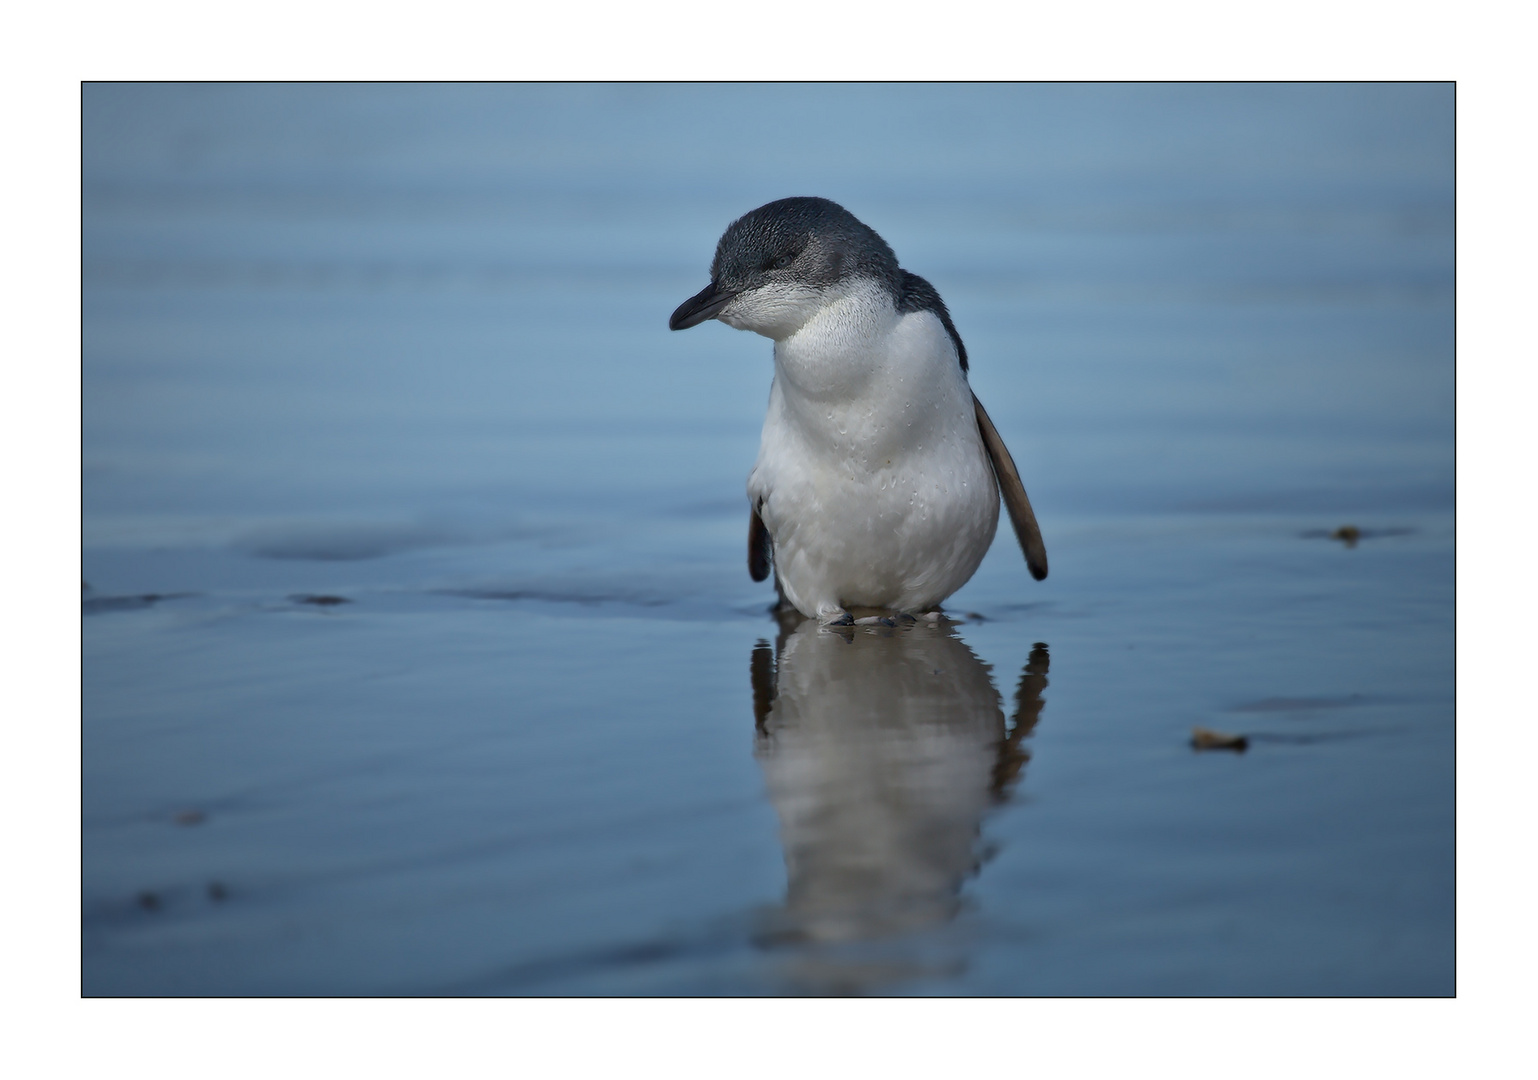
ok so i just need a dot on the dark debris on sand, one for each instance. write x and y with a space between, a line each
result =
1207 739
1351 535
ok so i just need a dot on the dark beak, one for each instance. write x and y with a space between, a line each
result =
699 307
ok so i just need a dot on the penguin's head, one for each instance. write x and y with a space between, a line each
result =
778 265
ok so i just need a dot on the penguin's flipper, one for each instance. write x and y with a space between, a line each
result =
1021 516
760 548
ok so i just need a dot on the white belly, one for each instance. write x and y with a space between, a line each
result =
879 494
895 539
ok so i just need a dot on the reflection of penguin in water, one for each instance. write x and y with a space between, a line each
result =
882 752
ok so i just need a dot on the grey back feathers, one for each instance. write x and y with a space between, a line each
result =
817 242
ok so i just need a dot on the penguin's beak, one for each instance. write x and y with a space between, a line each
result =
699 307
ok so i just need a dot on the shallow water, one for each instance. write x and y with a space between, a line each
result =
420 654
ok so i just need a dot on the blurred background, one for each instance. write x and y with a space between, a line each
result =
420 654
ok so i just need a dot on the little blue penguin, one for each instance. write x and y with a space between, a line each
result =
879 474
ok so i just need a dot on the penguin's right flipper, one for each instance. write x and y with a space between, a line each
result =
1021 516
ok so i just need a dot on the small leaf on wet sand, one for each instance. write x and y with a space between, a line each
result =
320 601
1207 739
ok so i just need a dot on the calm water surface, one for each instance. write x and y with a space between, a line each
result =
420 655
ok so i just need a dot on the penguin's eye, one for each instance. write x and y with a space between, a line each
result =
780 263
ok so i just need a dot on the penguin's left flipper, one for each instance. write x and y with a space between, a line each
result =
1021 516
760 548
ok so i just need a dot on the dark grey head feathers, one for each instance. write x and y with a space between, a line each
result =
807 241
804 240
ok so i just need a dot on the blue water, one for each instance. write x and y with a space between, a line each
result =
406 347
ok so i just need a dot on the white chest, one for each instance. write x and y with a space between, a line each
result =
871 475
